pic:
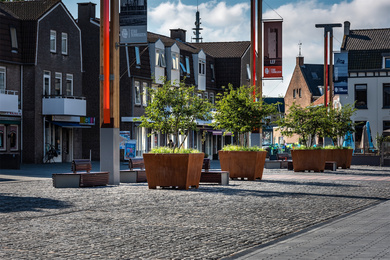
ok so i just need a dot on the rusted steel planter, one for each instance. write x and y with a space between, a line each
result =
308 160
173 170
243 164
343 157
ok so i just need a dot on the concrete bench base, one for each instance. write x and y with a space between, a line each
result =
221 177
272 164
132 176
77 180
332 166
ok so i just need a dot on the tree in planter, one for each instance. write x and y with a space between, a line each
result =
173 110
306 122
341 123
238 113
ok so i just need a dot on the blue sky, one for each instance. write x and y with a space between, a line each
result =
228 20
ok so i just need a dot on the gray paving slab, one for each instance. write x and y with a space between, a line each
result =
130 221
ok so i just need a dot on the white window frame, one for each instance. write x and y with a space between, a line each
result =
64 43
145 86
3 84
175 61
137 92
384 62
53 41
206 95
14 39
4 130
58 76
212 99
46 79
202 67
160 58
69 78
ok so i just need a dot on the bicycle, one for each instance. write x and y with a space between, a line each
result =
51 152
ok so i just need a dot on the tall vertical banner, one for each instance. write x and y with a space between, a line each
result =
133 21
273 49
341 73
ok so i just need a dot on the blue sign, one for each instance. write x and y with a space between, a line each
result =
341 73
130 150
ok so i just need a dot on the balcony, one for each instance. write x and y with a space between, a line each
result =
65 106
8 101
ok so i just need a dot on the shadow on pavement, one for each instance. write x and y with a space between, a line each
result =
17 204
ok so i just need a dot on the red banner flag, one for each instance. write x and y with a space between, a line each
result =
273 49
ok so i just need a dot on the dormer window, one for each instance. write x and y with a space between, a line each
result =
202 66
160 58
14 39
175 61
188 66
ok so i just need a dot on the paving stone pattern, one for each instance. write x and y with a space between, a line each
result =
130 221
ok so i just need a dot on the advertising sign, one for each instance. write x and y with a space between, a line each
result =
133 21
124 137
273 49
130 149
341 73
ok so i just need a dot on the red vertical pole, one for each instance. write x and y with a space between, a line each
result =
326 70
106 63
254 46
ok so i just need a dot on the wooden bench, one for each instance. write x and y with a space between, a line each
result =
81 176
329 165
213 176
135 173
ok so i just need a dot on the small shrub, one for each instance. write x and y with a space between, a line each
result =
164 149
242 148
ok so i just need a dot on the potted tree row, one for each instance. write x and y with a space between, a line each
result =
173 111
239 112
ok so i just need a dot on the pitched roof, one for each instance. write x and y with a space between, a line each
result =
224 49
274 100
28 10
369 39
153 37
314 77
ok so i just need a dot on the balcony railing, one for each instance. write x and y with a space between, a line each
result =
64 105
8 101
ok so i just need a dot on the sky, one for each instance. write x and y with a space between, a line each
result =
229 20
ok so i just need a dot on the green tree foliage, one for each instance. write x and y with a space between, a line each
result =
341 123
238 113
174 110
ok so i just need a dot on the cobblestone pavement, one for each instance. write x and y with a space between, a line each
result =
130 221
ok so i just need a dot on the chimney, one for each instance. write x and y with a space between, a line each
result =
300 61
178 34
86 11
347 27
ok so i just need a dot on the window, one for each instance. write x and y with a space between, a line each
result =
182 67
137 93
188 66
58 84
2 138
386 61
386 95
46 83
145 93
212 72
361 96
299 93
175 61
2 79
206 95
137 57
212 100
202 65
294 93
14 39
13 137
53 36
160 58
69 85
386 126
248 72
64 43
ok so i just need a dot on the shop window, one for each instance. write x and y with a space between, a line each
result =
53 43
13 138
2 138
137 93
361 96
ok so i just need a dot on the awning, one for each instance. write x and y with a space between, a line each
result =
69 124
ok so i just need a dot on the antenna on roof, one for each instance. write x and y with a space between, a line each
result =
197 26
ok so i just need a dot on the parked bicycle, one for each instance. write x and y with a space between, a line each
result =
51 153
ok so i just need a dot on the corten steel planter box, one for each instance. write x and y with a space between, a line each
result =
308 160
343 157
243 164
173 170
